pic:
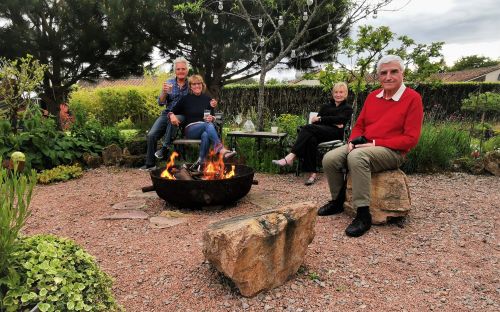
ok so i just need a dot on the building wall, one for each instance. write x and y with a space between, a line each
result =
494 76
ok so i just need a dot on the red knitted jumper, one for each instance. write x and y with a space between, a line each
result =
392 124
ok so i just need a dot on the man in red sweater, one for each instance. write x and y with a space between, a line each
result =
387 128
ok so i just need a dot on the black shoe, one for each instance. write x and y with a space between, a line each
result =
147 168
161 153
331 208
361 224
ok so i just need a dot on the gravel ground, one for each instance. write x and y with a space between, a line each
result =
444 257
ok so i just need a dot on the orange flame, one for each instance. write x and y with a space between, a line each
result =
166 173
215 169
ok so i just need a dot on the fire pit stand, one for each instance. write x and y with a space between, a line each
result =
200 193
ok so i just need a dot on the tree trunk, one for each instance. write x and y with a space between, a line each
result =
260 102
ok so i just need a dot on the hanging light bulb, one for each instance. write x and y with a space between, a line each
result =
260 22
293 55
255 58
309 2
374 14
220 5
216 19
280 20
330 28
305 17
262 41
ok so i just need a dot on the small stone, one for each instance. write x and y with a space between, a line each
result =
245 305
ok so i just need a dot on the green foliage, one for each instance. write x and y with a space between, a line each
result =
18 80
421 60
58 275
492 144
78 40
438 146
60 173
89 129
330 76
15 195
43 144
487 102
473 61
289 123
112 105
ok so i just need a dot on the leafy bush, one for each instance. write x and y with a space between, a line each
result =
492 144
60 173
289 124
89 129
487 102
58 275
15 194
438 146
112 105
44 145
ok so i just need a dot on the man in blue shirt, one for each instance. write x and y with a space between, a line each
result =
173 90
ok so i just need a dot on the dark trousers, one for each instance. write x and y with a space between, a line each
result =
306 145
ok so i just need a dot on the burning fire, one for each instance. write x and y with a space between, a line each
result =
215 168
166 173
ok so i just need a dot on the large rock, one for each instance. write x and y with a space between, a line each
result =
390 196
262 250
92 161
138 146
492 162
112 155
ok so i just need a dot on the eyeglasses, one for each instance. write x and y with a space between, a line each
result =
196 84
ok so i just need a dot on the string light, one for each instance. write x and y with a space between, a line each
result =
280 20
262 41
216 19
221 6
293 55
374 14
255 58
305 17
260 22
330 28
309 2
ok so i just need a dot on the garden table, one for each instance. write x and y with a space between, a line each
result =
258 136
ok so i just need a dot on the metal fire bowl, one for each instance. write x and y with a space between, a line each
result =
199 193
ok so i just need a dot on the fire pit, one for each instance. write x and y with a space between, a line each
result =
199 193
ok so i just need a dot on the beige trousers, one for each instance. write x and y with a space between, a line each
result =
360 163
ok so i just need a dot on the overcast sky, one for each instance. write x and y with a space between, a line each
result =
467 27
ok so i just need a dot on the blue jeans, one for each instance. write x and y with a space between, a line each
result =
160 127
171 132
208 134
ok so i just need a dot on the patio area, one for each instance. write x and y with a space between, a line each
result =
441 258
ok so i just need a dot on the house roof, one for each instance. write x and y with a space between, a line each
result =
467 74
130 81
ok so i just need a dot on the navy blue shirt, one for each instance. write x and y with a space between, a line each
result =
192 107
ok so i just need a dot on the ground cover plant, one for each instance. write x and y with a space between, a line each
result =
56 274
59 173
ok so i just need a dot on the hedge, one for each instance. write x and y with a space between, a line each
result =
110 105
442 99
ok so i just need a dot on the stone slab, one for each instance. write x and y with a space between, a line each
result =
127 214
165 222
141 194
263 199
134 204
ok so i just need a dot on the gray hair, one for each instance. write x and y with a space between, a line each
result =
181 59
389 59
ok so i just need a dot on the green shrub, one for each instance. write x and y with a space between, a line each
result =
438 146
492 144
15 195
60 173
44 145
58 275
289 123
112 105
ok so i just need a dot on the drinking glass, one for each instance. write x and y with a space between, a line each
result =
238 120
206 113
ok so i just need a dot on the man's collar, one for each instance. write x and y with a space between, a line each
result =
396 95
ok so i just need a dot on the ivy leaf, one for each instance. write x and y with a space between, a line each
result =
44 307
